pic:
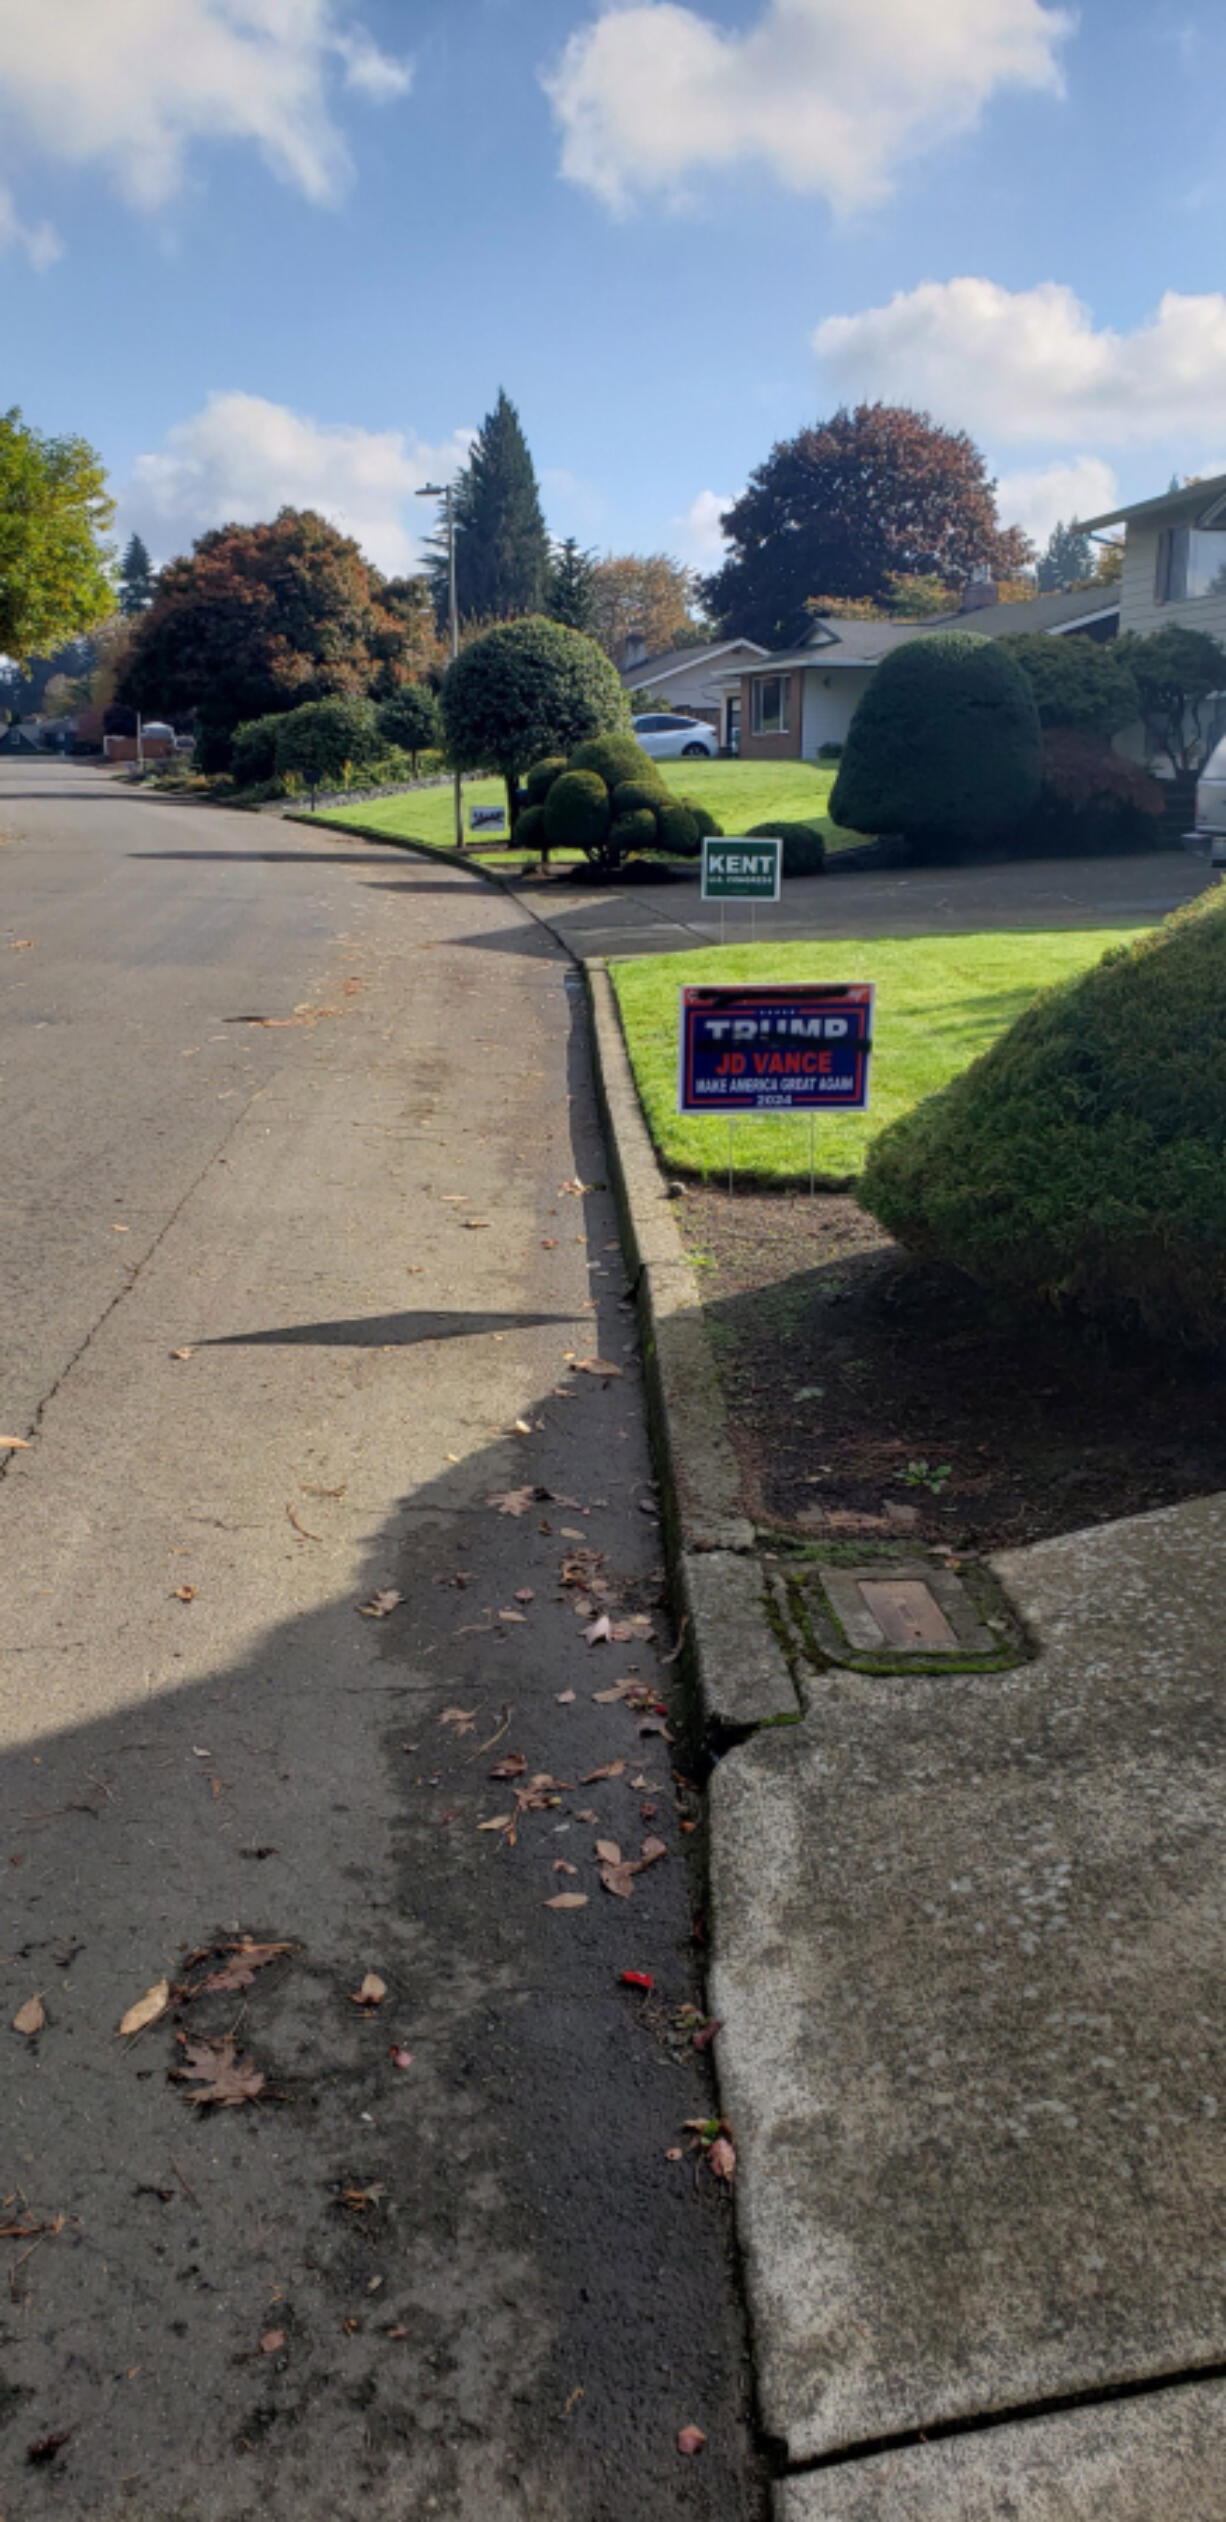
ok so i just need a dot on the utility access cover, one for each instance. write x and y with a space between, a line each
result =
891 1614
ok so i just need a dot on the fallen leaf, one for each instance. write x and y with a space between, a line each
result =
512 1767
549 1243
721 2158
618 1690
500 1821
400 2057
29 2018
611 1769
462 1718
120 1230
691 2439
639 1979
518 1618
520 1427
569 1533
524 1594
561 1866
472 1223
702 2039
565 1698
238 1971
222 2075
16 945
595 1366
673 2154
572 1185
147 2009
400 2330
608 1852
600 1632
584 1814
16 1444
654 1725
272 2342
567 1900
512 1501
185 1593
573 2401
651 1851
618 1879
181 1353
372 1991
381 1604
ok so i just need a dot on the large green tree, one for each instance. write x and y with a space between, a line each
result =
1178 672
54 560
850 504
571 588
137 577
259 618
502 547
525 690
1067 561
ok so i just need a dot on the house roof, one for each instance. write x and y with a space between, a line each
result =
676 660
851 643
1195 495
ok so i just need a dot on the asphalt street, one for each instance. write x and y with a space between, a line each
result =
306 1245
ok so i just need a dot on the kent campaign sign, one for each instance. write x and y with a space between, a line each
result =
802 1047
741 871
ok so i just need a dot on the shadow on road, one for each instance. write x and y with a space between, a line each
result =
384 1330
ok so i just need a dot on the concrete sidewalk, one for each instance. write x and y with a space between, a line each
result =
970 1934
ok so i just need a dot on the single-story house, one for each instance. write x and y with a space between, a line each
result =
790 705
691 680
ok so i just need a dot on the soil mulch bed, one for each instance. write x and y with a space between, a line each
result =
875 1396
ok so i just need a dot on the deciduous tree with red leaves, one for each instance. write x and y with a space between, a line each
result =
849 505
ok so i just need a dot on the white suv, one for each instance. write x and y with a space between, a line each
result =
1211 804
665 735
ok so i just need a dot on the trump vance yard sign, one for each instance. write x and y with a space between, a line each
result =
798 1047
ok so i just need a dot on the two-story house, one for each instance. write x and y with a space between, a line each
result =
1174 571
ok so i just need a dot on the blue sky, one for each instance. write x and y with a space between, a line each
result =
260 250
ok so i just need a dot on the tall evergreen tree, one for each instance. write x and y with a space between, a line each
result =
502 548
1067 560
572 576
136 577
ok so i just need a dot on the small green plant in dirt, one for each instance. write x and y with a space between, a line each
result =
933 1476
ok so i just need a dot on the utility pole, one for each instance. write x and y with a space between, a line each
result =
436 490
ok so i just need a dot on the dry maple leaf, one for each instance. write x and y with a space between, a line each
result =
147 2009
29 2018
611 1769
381 1604
241 1966
690 2439
721 2158
595 1366
372 1991
512 1501
222 2075
567 1900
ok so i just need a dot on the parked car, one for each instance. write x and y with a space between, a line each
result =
1211 805
664 735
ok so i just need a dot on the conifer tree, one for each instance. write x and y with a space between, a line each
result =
1068 559
502 548
572 576
136 577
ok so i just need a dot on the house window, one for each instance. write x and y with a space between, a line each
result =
1191 562
770 705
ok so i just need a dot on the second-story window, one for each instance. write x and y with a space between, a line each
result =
1191 563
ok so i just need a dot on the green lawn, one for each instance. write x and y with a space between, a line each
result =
738 793
940 1001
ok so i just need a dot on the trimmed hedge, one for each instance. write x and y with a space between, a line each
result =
541 777
1081 1162
944 745
616 758
630 794
530 828
804 846
254 751
577 812
677 830
633 832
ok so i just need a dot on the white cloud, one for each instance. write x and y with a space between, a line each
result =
1031 363
241 458
1085 486
128 85
40 243
697 536
830 94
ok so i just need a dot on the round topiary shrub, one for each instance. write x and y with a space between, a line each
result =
944 745
541 777
631 832
708 828
678 831
804 847
530 828
616 758
1079 1162
577 812
630 794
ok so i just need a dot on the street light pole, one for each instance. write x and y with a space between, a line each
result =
436 490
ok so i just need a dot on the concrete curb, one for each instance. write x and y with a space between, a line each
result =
739 1669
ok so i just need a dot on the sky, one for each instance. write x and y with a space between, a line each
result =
270 251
